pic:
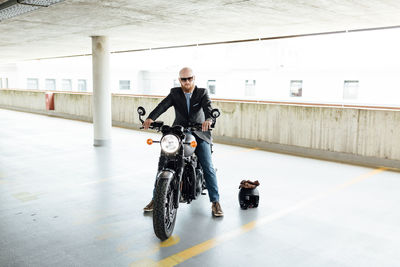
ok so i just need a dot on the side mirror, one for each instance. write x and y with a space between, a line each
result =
141 111
215 113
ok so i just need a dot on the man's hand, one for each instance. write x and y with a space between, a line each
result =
146 123
206 125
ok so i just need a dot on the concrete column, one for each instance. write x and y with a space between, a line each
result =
101 91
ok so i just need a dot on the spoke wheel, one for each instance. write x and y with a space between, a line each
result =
164 212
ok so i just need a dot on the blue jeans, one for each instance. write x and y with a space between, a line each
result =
203 152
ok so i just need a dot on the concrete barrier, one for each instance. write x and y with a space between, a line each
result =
353 135
23 99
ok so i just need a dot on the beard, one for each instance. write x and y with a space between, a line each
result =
187 87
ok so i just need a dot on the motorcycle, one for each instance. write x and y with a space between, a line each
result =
180 177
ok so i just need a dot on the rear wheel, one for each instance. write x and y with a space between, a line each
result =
164 212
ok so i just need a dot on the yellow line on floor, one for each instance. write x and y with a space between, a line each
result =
186 254
173 240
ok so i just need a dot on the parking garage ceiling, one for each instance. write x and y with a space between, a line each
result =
64 29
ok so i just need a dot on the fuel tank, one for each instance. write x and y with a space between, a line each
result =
187 149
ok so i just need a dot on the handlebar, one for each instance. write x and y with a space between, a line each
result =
157 125
197 127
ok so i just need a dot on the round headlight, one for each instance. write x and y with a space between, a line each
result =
169 143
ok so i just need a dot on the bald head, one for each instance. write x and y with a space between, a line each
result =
186 72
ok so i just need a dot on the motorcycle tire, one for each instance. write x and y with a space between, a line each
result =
164 211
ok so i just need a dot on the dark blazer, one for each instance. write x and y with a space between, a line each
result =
200 109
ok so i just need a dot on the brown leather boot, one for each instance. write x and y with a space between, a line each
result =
149 206
217 210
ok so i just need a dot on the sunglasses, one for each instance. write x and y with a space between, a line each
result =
186 79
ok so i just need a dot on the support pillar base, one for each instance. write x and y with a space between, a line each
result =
101 142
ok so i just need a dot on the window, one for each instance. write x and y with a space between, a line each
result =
211 86
32 83
3 82
296 88
124 85
82 86
66 85
250 88
176 83
50 84
350 89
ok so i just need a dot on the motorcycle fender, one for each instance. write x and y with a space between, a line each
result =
169 175
166 174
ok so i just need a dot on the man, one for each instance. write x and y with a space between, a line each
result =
192 104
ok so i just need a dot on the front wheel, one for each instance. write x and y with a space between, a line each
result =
164 212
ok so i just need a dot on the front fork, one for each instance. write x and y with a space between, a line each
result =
175 179
172 174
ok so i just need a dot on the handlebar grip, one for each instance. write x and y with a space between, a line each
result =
150 127
198 127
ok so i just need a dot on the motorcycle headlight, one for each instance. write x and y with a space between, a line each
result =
169 143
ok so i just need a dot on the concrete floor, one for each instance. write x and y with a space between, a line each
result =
64 202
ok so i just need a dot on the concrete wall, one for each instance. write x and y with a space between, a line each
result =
124 110
19 99
76 105
354 135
